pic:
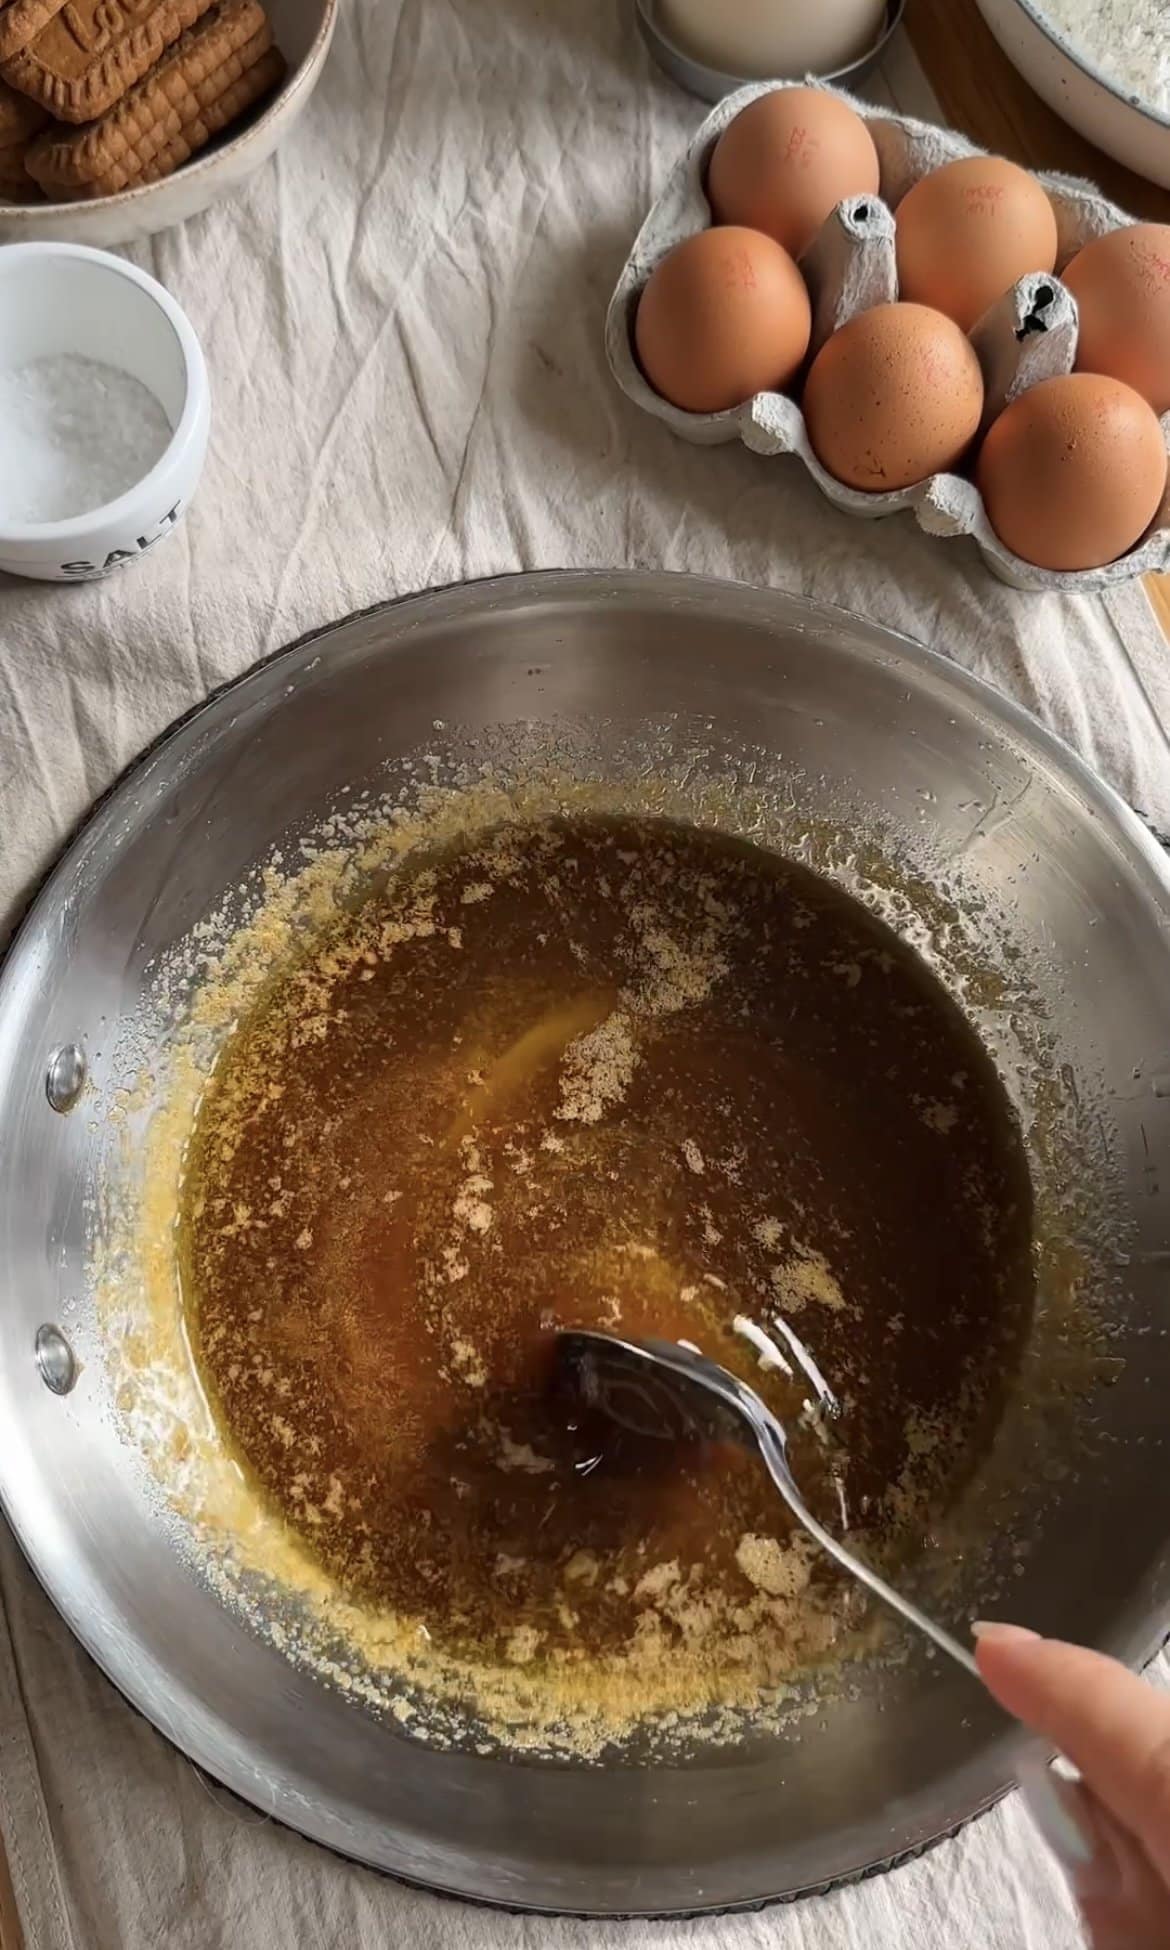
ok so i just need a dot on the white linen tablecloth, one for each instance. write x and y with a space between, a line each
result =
403 324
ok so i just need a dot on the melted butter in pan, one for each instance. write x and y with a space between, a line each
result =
604 1073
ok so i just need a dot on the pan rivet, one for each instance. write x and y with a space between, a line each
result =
56 1360
65 1076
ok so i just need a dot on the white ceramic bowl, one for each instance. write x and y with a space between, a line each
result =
303 30
1126 128
60 299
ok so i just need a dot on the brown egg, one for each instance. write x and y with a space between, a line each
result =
787 160
893 396
967 231
726 314
1073 471
1121 283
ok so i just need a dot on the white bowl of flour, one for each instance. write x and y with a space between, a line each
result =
1103 65
105 409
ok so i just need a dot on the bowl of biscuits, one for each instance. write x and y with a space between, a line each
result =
119 118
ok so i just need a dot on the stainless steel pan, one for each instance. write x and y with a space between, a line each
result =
853 714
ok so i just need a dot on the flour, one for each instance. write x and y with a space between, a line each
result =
1129 40
596 1071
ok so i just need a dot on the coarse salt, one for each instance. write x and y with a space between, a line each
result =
75 433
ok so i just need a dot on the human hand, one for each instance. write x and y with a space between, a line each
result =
1115 1729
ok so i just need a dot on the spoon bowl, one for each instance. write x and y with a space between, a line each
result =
671 1391
665 1389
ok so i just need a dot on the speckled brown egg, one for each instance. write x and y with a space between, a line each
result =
1121 283
893 396
1073 471
787 160
725 315
967 231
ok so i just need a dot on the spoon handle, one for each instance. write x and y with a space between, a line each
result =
776 1463
1048 1800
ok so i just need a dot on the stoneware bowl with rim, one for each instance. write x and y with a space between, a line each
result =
1101 109
303 31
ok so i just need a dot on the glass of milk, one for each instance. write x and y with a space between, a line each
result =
772 39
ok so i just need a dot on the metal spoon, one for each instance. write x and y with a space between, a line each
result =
663 1389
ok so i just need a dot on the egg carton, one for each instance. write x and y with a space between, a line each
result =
1031 334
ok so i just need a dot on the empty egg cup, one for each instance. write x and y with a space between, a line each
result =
67 300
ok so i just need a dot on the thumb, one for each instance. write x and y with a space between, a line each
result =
1114 1727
